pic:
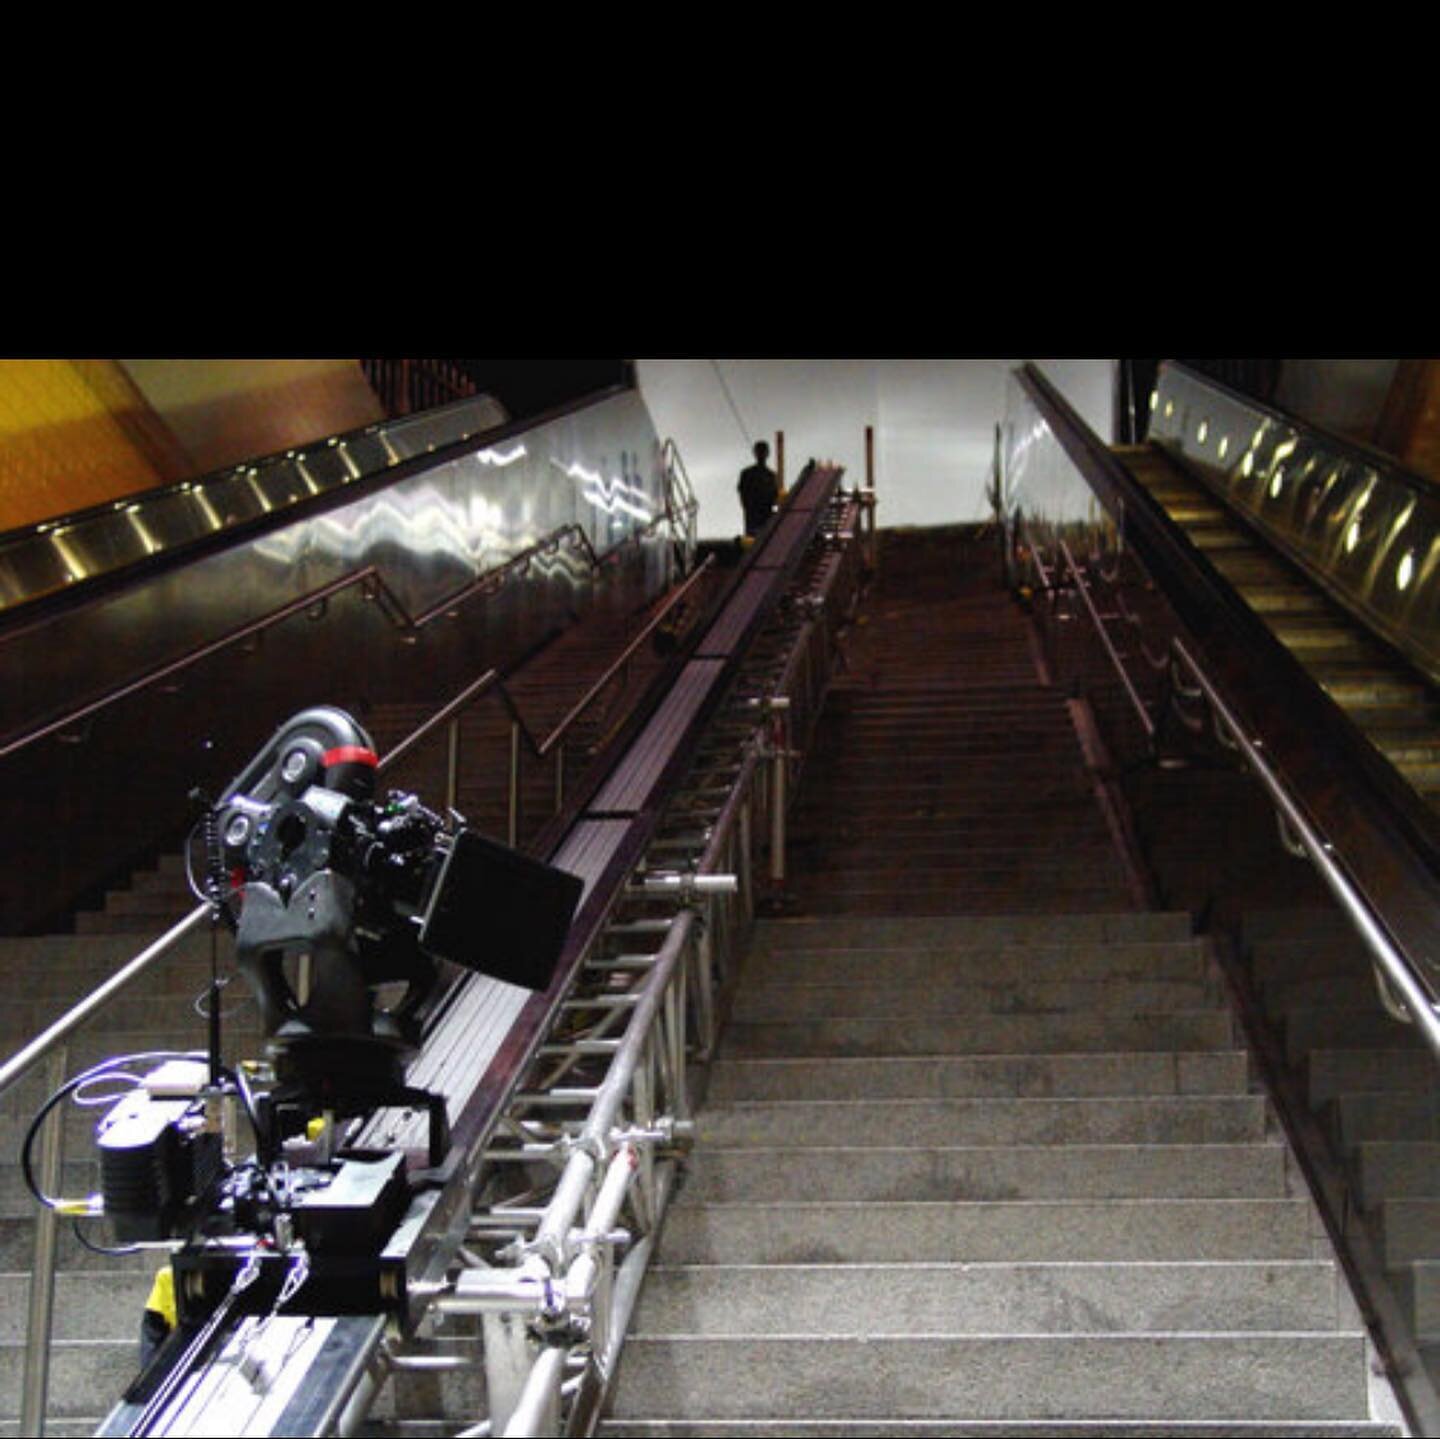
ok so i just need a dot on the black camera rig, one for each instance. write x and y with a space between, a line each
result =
337 899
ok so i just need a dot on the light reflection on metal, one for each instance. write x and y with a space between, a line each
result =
105 539
138 525
75 568
501 458
612 496
1336 509
432 533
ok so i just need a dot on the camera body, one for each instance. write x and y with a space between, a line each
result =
350 911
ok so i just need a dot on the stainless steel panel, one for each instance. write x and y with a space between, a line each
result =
1040 485
430 535
70 550
1365 528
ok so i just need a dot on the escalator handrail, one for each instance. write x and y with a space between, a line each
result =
23 613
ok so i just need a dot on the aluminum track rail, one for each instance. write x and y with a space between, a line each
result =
697 777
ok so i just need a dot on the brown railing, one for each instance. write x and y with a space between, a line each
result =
522 737
372 586
405 386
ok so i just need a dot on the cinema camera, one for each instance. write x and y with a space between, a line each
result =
335 897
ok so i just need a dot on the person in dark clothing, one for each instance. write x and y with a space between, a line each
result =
759 490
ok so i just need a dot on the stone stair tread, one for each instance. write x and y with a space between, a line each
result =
1114 1376
1075 1075
991 1297
882 998
991 1172
940 1428
857 1123
982 1034
836 1231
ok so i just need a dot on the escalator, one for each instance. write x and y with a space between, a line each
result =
1377 687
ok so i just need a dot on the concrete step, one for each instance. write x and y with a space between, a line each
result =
1359 1116
864 1232
1049 898
981 1297
1331 1072
981 1034
176 1008
1353 992
930 932
979 964
84 1375
883 998
893 1428
86 1308
1390 1169
938 1376
1419 1287
975 1076
957 877
1311 1029
1211 1119
1409 1230
755 1174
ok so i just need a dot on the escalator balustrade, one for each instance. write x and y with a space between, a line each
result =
1379 689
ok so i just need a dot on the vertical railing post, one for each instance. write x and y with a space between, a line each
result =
867 519
779 760
780 460
514 829
36 1384
745 871
452 765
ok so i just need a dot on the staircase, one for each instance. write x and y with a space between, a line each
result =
99 1299
982 1154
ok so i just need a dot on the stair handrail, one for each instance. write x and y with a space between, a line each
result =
1396 968
522 737
1403 986
252 471
373 582
682 507
1415 1002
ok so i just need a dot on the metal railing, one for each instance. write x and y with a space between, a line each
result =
368 580
682 508
404 386
1401 986
1401 982
522 737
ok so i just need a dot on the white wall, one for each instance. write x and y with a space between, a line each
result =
934 424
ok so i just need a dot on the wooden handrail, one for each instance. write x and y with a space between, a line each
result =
368 575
